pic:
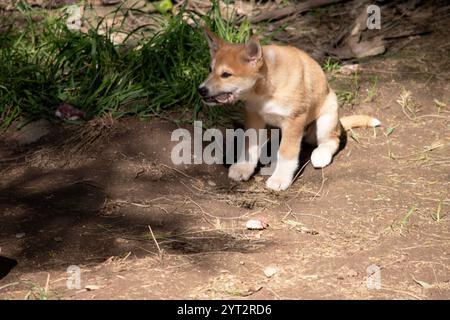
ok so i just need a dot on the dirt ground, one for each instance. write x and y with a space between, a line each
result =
87 197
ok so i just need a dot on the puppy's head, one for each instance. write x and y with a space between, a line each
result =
234 70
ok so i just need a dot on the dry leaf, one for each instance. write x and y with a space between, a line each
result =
423 284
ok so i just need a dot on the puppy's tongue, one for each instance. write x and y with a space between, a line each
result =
225 98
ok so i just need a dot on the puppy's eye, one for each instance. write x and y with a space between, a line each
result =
226 75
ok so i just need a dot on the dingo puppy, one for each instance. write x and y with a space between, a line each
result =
284 87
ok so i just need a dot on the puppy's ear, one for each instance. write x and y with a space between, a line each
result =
253 51
214 42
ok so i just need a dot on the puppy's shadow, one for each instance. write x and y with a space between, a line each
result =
6 265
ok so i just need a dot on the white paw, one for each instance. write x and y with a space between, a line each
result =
278 183
241 171
321 157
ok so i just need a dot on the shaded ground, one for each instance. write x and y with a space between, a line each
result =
384 201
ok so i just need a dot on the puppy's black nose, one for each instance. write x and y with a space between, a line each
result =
203 91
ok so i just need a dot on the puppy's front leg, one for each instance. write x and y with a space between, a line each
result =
244 168
287 157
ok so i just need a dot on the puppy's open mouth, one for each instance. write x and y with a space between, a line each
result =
222 98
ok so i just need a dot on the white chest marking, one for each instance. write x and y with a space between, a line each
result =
273 109
271 112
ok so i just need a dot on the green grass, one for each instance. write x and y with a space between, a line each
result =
400 225
373 91
330 65
349 95
44 64
345 97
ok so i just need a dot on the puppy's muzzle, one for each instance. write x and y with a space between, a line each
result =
221 98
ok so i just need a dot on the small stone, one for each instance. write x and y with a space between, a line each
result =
349 69
256 224
20 235
211 183
121 241
270 271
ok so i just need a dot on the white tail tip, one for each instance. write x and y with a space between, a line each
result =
375 122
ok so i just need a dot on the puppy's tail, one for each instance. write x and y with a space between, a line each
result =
359 121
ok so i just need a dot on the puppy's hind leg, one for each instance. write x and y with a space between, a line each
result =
327 132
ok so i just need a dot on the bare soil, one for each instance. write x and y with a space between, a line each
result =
87 197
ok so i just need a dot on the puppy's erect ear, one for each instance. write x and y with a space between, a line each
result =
253 51
214 42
